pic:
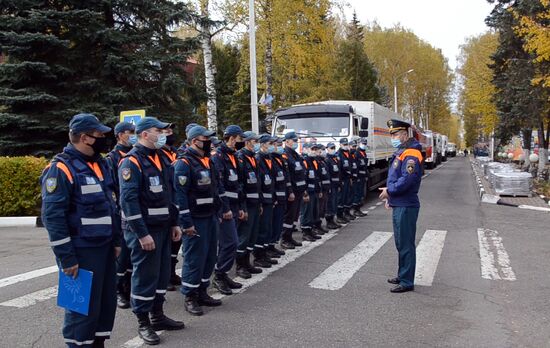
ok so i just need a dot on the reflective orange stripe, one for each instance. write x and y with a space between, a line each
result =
232 159
315 164
252 161
95 167
279 161
156 161
346 154
136 162
65 170
170 154
185 160
205 162
268 162
122 153
411 153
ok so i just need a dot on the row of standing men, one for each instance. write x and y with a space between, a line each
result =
226 200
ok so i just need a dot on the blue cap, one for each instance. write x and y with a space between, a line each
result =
306 145
150 122
233 130
353 143
316 146
331 145
266 138
197 131
344 141
122 127
279 140
87 122
250 135
215 141
291 136
363 140
189 126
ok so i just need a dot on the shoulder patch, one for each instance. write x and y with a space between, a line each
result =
51 184
126 174
411 164
182 179
395 163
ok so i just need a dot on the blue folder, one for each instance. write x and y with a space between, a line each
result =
74 294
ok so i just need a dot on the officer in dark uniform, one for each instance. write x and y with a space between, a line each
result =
357 182
80 214
126 138
185 144
168 154
344 198
297 175
233 207
310 208
363 172
333 166
283 188
145 200
248 228
324 175
198 200
401 194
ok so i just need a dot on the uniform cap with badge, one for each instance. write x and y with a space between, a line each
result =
150 122
397 125
233 130
82 123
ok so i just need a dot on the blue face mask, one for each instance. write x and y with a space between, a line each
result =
161 141
132 139
280 150
294 146
256 147
271 149
395 143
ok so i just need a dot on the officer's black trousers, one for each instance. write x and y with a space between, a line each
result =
292 214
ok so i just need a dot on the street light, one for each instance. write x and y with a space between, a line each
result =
395 88
253 83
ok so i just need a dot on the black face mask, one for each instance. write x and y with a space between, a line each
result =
171 139
100 145
206 147
239 145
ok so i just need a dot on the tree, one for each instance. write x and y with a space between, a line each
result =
66 57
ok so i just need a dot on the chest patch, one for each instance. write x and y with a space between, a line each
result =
395 163
126 174
182 179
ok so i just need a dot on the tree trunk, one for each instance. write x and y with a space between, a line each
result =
543 152
209 68
527 148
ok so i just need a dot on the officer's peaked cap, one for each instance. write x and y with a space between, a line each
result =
397 125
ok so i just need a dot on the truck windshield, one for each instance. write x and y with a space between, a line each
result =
336 125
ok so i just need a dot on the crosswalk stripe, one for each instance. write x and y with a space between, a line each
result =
26 276
340 272
428 253
32 298
495 262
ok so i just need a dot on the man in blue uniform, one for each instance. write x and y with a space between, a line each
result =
310 208
297 175
232 210
324 175
198 200
333 167
80 214
126 138
401 194
249 226
344 197
148 208
357 183
283 188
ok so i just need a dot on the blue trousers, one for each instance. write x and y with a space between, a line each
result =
359 186
277 223
248 230
123 269
344 196
404 232
199 255
228 241
309 210
332 204
266 221
151 270
81 330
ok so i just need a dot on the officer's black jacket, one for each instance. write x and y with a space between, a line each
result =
266 177
280 166
227 166
345 164
296 170
324 174
313 179
333 165
249 175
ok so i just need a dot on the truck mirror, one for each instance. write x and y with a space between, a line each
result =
363 133
364 123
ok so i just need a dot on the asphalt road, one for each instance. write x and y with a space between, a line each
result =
484 270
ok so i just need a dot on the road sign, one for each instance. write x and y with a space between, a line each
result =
132 116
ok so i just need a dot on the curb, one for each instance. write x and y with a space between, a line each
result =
19 221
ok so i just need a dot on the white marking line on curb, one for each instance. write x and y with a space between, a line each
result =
428 253
26 276
530 207
495 262
32 298
340 272
18 221
291 255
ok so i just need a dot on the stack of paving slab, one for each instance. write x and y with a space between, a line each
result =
507 180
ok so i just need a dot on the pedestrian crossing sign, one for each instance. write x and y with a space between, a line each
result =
132 116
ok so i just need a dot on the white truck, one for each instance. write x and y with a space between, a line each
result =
451 150
438 148
444 142
332 120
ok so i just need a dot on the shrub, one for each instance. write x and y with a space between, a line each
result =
20 186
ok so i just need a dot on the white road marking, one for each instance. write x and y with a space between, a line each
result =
373 207
495 262
291 255
340 272
379 203
26 276
32 298
428 253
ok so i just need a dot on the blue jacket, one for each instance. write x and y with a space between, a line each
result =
229 185
78 204
405 175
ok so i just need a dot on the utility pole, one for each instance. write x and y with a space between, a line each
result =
253 82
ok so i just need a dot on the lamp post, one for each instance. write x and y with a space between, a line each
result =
253 83
395 88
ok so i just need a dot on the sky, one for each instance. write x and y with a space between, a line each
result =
444 24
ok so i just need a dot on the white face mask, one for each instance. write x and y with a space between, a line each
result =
363 147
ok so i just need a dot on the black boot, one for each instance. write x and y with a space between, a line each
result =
159 321
331 225
260 259
242 270
272 254
207 300
145 330
220 283
319 230
286 244
341 219
122 300
191 304
357 211
307 235
250 268
274 249
231 283
99 342
348 216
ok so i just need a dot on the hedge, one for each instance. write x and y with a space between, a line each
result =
19 185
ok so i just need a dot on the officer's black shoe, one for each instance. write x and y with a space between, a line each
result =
274 249
122 301
322 228
231 283
295 242
272 254
399 289
269 259
250 268
243 272
313 232
307 236
393 280
220 284
145 330
207 300
286 244
357 212
332 225
348 216
319 231
170 287
159 322
191 304
98 343
175 279
261 262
